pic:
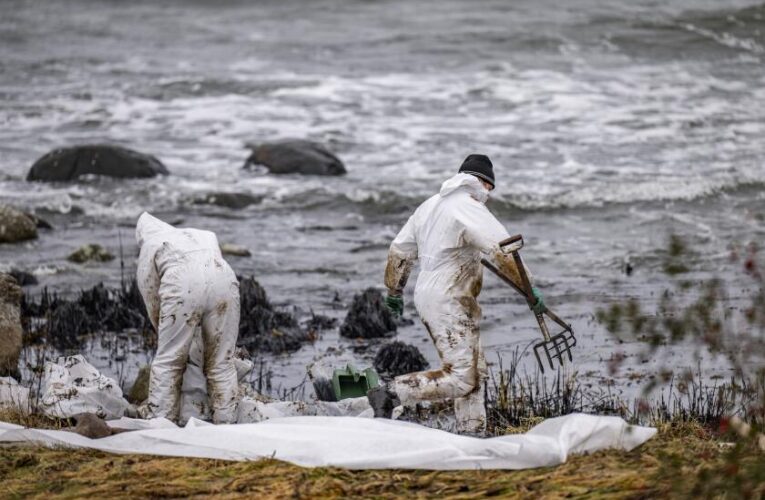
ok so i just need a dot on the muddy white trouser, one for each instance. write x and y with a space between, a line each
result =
202 296
453 327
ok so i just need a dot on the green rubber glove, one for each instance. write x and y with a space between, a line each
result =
539 304
395 304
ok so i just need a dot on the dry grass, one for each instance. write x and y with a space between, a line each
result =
57 473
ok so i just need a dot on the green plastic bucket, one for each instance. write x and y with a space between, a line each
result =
349 382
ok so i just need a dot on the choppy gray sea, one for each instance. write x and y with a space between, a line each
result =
611 124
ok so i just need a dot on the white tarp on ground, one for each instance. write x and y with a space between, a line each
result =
357 443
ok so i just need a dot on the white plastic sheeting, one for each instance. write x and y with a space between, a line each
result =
253 410
72 386
357 443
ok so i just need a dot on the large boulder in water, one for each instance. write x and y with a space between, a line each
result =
67 164
295 156
16 226
368 317
229 200
10 326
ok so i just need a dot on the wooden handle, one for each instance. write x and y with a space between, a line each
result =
509 241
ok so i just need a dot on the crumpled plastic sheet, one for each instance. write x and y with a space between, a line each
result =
355 443
72 385
252 410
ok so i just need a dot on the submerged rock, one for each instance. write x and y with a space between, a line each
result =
295 156
229 200
263 328
90 252
368 317
68 164
398 358
23 278
10 326
16 226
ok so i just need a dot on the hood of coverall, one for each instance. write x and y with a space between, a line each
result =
149 227
465 182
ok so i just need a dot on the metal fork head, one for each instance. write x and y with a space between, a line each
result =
555 348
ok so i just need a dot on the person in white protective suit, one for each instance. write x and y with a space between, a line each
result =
448 234
188 287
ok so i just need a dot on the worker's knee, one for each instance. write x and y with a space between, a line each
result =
465 381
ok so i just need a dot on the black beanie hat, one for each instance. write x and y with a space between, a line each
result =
480 166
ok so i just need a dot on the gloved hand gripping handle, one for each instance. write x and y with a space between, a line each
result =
560 343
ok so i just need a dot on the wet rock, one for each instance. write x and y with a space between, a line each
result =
23 278
90 252
10 326
68 164
262 327
295 156
368 317
91 426
235 250
235 201
398 358
16 226
139 392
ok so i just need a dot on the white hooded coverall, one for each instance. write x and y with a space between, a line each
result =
449 234
187 287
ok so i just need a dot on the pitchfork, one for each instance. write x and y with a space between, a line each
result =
553 346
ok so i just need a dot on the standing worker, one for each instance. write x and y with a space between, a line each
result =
449 234
186 286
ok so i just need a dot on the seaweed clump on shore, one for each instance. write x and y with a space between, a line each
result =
368 317
62 322
262 327
398 358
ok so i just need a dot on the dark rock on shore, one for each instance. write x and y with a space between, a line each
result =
235 201
16 226
10 326
368 317
398 358
68 164
92 426
295 156
262 327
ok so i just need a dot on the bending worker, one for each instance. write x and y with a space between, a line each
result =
187 286
449 234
